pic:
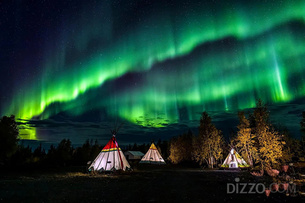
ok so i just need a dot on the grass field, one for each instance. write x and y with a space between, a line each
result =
156 184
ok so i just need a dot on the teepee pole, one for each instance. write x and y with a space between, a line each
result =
117 146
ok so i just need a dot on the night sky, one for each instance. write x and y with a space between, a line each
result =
71 69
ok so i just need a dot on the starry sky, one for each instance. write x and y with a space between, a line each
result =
154 65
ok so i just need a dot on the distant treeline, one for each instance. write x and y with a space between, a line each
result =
259 142
13 154
64 154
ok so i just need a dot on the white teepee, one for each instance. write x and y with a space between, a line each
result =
111 158
234 161
152 156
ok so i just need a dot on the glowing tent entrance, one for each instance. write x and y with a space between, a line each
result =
234 161
152 156
111 158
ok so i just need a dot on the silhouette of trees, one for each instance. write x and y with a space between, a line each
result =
60 155
64 152
142 147
39 154
87 152
23 156
8 137
163 147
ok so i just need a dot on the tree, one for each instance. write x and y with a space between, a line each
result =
302 123
269 142
245 140
164 148
39 154
23 156
208 146
88 151
95 150
260 116
64 151
8 137
175 156
270 147
181 148
292 149
62 155
215 147
82 154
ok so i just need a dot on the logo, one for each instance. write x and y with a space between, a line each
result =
259 188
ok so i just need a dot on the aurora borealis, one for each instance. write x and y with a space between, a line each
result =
151 63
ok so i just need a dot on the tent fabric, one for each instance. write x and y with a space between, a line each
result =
234 160
110 158
153 156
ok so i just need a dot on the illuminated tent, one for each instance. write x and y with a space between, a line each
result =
152 156
234 161
111 158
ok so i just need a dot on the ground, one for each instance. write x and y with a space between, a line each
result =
156 184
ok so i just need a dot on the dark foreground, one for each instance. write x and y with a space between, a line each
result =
143 185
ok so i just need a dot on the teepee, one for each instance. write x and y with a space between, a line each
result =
152 156
111 158
234 161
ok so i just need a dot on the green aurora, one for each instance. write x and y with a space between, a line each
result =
220 56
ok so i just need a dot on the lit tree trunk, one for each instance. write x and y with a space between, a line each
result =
211 161
249 155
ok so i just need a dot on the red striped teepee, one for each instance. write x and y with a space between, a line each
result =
111 158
